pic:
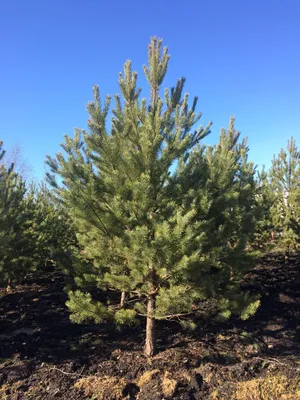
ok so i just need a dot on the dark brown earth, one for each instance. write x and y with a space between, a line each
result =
45 356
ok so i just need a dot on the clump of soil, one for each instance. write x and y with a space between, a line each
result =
45 356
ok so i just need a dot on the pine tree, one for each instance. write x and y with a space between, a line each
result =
12 223
263 237
285 180
51 233
162 220
33 229
225 198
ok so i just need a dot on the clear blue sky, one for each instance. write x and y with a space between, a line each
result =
240 57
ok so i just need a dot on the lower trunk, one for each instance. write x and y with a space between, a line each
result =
123 298
9 286
150 345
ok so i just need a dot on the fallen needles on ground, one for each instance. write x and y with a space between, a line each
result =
69 373
272 360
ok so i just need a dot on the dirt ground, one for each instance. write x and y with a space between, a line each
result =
45 356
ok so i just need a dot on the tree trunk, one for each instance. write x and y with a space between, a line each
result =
9 286
150 345
123 298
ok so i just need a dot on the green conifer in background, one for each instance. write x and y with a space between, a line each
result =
13 260
285 180
50 231
263 238
34 229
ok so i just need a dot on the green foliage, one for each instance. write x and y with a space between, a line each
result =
262 238
176 299
125 317
157 214
285 181
52 233
188 324
34 230
242 303
83 308
13 224
250 309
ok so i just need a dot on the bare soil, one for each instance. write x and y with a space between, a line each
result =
45 356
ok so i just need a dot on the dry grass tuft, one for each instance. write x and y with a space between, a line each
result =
277 387
186 376
104 388
169 385
147 377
